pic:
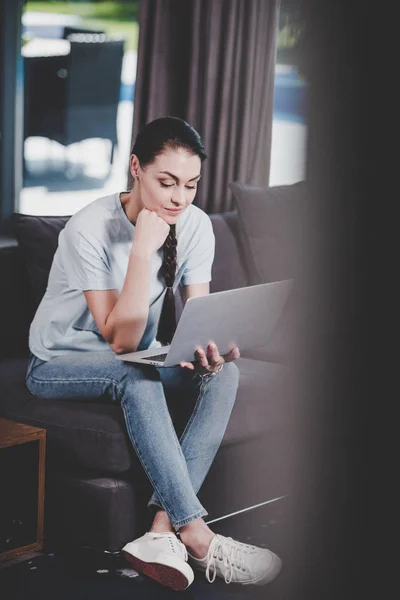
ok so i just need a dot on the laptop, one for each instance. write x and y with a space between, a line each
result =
243 317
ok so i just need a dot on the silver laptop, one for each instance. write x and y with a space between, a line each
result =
243 317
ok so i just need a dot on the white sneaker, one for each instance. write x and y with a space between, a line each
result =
162 557
237 562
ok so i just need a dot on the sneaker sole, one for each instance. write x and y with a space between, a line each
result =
163 574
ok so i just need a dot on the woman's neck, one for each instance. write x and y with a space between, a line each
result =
131 203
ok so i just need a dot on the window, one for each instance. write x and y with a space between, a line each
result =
79 73
289 127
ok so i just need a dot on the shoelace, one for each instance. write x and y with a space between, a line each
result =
231 553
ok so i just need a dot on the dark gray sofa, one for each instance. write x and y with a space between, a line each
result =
96 490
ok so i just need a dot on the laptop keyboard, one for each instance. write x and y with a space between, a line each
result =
159 357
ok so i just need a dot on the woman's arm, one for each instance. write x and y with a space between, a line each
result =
122 318
196 289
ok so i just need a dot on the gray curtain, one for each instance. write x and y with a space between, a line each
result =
211 62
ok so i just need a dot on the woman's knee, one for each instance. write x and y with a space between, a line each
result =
227 380
230 372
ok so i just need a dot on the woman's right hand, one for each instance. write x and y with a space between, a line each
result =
150 233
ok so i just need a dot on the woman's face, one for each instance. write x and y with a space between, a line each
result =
168 185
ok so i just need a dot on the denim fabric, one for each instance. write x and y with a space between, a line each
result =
175 467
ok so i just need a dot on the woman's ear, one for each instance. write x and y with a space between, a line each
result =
134 166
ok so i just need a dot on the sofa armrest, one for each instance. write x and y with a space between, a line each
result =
16 301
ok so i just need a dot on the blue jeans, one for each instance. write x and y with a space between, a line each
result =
175 467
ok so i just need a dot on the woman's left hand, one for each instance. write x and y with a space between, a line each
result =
211 361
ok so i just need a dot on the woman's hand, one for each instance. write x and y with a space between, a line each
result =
211 361
151 231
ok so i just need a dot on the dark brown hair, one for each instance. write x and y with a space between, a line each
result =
167 133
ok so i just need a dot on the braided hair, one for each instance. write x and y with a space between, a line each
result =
167 322
167 133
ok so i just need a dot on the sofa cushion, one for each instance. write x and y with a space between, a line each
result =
228 270
37 238
272 223
91 434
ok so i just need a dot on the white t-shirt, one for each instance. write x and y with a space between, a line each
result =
92 254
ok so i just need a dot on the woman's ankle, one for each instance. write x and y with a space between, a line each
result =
196 536
161 523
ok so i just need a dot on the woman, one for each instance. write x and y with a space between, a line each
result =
111 290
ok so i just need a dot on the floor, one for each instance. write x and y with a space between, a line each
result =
62 574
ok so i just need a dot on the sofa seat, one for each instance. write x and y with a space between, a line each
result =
91 434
